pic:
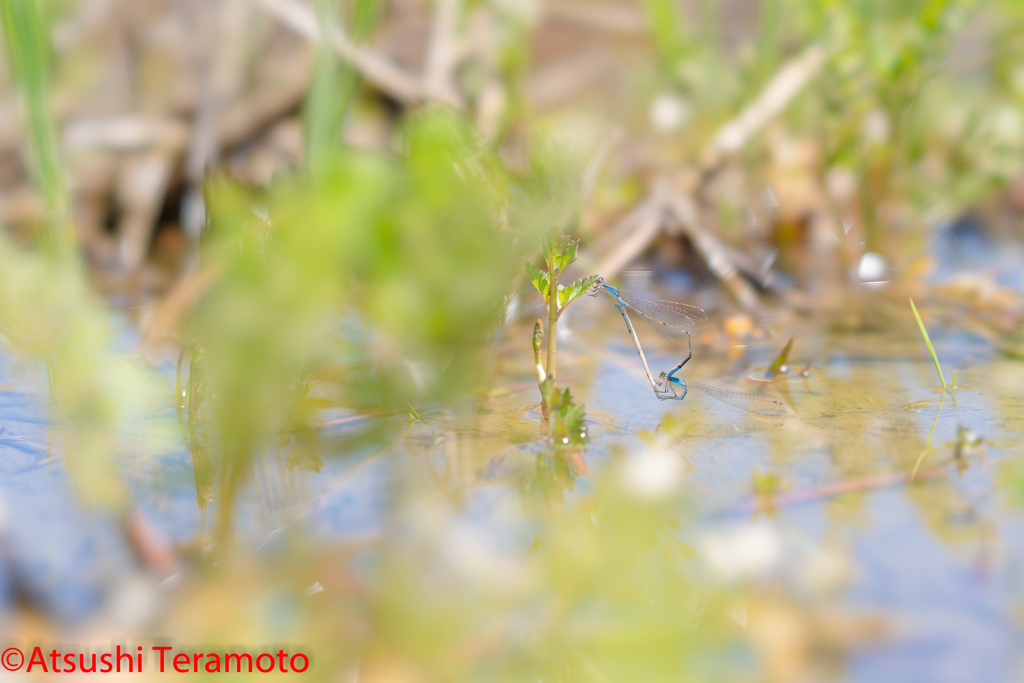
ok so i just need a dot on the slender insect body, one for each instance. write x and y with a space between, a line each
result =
681 318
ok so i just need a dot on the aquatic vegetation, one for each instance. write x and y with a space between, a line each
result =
559 252
928 343
338 297
779 364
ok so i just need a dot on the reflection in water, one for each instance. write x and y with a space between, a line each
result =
859 531
702 427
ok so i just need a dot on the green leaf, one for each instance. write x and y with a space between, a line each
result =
539 279
776 366
568 421
566 254
304 457
560 249
566 295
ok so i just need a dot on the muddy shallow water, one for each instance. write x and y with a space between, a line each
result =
854 502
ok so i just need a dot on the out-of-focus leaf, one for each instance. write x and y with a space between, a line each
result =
780 360
304 457
202 464
568 419
578 463
539 278
560 249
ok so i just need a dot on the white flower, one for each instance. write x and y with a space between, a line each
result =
744 552
669 112
656 474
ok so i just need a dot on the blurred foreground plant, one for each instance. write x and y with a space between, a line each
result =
608 592
48 315
367 285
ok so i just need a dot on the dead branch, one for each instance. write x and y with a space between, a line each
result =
777 95
391 79
633 233
563 80
711 250
223 79
141 188
442 53
609 17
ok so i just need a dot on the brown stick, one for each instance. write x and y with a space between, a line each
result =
443 53
776 96
391 79
712 251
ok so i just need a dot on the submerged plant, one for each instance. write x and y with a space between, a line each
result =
334 290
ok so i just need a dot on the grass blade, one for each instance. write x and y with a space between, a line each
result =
776 366
26 38
931 349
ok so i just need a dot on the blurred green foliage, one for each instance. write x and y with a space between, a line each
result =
607 592
50 319
31 62
375 282
383 277
334 86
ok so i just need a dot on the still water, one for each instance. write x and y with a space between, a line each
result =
907 577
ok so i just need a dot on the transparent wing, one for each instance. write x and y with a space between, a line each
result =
761 405
665 314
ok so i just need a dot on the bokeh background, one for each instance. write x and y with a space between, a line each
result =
265 335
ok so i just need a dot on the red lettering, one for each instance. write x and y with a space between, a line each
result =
69 660
105 660
54 656
305 663
260 657
162 650
197 656
37 653
139 656
120 656
238 662
213 659
181 659
280 659
81 664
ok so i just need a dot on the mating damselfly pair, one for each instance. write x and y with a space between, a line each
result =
683 318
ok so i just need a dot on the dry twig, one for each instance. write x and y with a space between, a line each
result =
391 79
640 227
777 95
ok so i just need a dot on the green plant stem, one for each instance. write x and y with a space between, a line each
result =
931 349
552 321
538 338
231 475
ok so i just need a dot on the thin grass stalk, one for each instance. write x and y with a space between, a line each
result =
29 54
931 349
335 85
322 118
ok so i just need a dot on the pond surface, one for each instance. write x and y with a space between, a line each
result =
862 508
